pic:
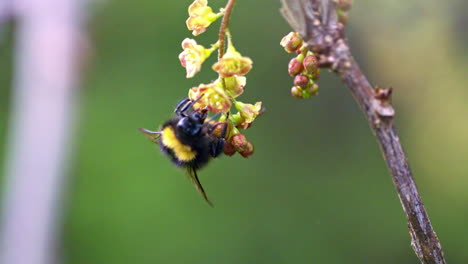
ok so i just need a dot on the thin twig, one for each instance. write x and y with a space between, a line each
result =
224 27
317 22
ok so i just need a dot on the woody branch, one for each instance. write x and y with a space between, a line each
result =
324 35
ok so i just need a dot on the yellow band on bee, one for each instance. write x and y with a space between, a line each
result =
181 151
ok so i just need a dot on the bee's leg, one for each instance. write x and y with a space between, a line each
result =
217 146
182 106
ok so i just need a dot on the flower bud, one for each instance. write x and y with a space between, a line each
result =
316 75
301 81
343 17
313 89
291 42
249 150
344 5
310 64
239 142
229 149
295 67
219 127
296 91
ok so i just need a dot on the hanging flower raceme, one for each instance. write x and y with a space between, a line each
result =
304 67
220 95
200 16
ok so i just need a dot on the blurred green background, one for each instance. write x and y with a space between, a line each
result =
315 191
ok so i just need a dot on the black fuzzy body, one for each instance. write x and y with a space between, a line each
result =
201 144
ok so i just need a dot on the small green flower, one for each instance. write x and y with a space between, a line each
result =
234 85
211 96
248 113
232 63
200 16
193 56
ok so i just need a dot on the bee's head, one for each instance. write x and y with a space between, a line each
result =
192 124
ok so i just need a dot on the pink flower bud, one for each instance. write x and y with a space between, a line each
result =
344 5
229 149
291 42
296 91
310 64
248 151
239 142
295 67
313 89
301 81
315 76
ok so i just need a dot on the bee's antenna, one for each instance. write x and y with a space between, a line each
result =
151 135
185 105
196 100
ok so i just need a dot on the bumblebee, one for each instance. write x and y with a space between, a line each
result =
188 139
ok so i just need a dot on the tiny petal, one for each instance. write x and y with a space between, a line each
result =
197 7
235 85
248 113
291 42
193 56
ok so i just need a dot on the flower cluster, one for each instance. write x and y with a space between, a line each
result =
304 67
343 7
220 95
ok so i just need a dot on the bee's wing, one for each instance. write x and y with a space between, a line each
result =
192 174
151 135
